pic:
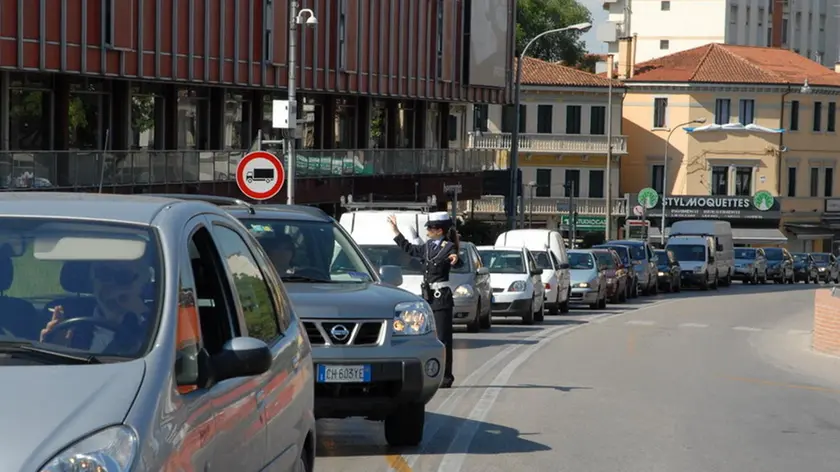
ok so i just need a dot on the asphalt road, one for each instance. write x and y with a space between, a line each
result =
692 382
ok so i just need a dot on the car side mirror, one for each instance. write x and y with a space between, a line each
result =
241 357
391 275
719 247
536 271
482 271
564 265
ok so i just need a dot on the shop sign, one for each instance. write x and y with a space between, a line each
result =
832 205
762 205
585 223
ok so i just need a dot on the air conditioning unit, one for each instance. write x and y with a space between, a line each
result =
608 32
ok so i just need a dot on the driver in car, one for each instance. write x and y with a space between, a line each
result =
281 251
116 326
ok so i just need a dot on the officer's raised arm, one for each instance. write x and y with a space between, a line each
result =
413 250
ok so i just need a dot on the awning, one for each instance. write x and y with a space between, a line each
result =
809 231
763 235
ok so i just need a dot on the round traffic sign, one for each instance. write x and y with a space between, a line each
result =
260 175
638 210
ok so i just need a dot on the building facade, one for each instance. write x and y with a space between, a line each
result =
175 91
770 128
663 27
564 123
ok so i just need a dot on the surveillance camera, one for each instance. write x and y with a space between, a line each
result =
311 21
783 149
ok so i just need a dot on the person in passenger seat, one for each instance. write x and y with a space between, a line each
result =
281 251
120 318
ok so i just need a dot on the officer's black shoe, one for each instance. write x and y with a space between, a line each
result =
447 382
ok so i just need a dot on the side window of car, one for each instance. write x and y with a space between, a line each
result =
554 260
250 285
188 334
476 260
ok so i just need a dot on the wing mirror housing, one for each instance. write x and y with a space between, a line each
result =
536 271
241 357
391 275
564 265
482 271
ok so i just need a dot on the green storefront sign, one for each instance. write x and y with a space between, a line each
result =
585 223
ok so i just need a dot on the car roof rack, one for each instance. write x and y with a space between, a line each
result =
360 206
214 199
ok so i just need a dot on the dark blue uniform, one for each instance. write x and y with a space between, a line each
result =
434 255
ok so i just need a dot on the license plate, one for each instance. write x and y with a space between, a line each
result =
343 373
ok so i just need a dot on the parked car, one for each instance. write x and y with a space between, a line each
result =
828 267
632 276
518 290
804 268
615 273
172 343
669 271
589 282
643 262
750 265
779 265
374 345
553 276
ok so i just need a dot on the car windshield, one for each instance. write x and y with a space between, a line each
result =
581 261
799 257
543 260
663 258
622 251
80 288
745 254
391 254
821 258
688 252
774 254
502 262
637 251
605 259
310 251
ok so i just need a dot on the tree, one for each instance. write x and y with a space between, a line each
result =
536 16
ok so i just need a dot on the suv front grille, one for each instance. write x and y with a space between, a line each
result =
344 333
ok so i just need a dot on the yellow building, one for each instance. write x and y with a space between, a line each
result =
742 121
563 146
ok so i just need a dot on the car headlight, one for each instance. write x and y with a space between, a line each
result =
112 449
583 285
699 270
822 269
518 286
413 318
661 274
610 281
463 291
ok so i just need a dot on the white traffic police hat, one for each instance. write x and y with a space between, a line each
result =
439 219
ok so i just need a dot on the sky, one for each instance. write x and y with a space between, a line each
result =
599 17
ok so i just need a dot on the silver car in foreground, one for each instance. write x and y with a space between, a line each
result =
146 334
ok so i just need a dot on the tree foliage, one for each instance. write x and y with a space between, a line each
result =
536 16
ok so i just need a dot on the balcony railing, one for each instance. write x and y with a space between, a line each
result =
550 143
495 204
71 169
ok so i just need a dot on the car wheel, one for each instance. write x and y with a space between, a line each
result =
486 322
539 315
474 326
654 290
554 309
622 297
404 428
678 286
603 303
715 282
564 307
528 318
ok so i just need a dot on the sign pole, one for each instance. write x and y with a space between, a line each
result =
454 191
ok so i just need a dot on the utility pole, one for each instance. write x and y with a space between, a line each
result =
292 77
573 214
608 173
453 191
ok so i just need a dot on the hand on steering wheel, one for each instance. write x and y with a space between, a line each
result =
51 332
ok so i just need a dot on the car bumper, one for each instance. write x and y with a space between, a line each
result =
743 273
692 278
612 288
465 310
584 295
551 297
397 377
511 304
774 273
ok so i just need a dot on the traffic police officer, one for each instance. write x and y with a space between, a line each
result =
438 256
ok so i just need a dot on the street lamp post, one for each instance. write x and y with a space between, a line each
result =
514 138
296 18
665 175
531 187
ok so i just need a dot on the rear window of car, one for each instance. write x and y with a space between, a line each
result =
605 258
745 254
503 262
543 261
581 261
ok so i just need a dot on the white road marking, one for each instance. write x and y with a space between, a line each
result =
745 328
799 331
694 325
641 322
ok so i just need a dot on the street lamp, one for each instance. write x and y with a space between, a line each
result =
531 186
806 87
305 17
514 138
665 175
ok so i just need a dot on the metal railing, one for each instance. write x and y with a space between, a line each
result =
495 204
557 143
62 169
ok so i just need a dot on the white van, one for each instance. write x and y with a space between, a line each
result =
723 247
549 249
696 255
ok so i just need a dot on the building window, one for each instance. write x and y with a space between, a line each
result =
794 115
481 118
784 31
509 117
545 115
743 181
720 180
665 5
439 35
831 122
828 191
543 188
791 182
664 44
660 111
657 182
746 112
342 35
452 127
598 120
817 116
572 119
722 112
572 183
815 181
596 184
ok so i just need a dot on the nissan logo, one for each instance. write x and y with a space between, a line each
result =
340 332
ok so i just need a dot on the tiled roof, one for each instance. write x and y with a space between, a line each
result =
539 72
729 64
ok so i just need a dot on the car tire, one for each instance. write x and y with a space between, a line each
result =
554 309
654 290
486 322
678 286
539 315
603 303
716 282
404 427
564 307
622 297
528 318
474 326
